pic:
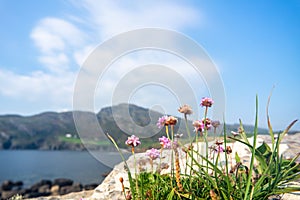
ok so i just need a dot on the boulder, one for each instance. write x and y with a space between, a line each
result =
72 188
62 182
44 189
7 185
55 190
18 184
35 187
8 194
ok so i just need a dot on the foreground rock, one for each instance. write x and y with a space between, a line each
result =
111 188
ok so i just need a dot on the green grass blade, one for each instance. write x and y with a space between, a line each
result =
269 122
286 130
253 152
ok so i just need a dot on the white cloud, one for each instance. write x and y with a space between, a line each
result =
57 63
52 34
113 17
37 86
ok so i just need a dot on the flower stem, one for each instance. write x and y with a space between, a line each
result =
135 172
205 137
167 131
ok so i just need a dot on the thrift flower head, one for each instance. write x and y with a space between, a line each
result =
207 123
133 141
215 124
199 126
185 109
219 149
165 142
206 102
152 153
228 150
171 121
162 121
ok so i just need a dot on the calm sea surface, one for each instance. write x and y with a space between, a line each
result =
30 166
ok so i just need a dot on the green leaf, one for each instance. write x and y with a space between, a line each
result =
237 158
171 194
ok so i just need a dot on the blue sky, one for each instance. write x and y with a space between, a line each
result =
255 46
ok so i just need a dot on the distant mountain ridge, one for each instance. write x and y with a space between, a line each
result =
57 131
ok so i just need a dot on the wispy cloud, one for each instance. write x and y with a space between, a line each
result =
113 17
53 34
37 86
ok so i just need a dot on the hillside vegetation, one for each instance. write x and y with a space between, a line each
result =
57 131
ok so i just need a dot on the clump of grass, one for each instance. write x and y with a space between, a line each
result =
266 174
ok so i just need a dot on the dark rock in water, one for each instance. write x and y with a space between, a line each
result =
62 182
90 186
35 187
77 187
7 185
18 183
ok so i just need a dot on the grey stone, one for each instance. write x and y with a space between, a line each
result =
62 182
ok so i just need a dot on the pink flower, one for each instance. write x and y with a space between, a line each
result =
199 126
152 153
207 123
165 142
219 149
161 121
133 141
206 102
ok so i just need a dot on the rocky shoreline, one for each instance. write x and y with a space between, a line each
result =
59 186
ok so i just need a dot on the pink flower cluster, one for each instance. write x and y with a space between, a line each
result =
165 121
165 142
206 102
201 125
219 149
152 153
133 141
161 121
